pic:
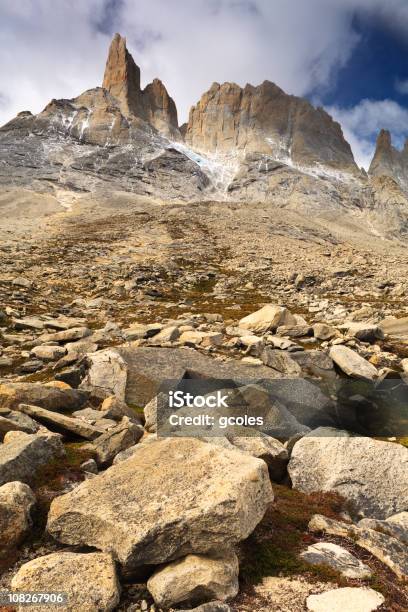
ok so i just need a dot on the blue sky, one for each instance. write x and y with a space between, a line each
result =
347 55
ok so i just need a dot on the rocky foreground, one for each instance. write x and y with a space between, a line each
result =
304 516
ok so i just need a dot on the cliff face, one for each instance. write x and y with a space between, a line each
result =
122 80
389 161
122 76
265 119
160 109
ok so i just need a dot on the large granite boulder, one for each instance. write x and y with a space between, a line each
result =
171 498
372 475
88 580
137 374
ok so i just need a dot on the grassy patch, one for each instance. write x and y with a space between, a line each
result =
273 549
56 476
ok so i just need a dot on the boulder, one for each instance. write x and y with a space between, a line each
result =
395 526
28 323
168 334
394 327
281 362
321 331
16 502
366 332
356 468
49 397
191 338
66 335
88 580
160 402
62 422
337 558
316 362
107 375
114 408
23 454
172 497
294 331
12 420
137 374
115 440
195 579
63 322
270 317
266 448
21 281
278 420
356 599
304 400
48 353
352 364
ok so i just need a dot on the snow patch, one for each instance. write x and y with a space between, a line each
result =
84 124
220 168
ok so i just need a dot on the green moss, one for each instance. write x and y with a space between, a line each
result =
268 559
53 476
274 547
136 409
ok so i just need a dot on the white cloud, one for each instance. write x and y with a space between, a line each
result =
401 85
58 49
362 123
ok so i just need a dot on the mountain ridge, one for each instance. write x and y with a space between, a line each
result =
251 144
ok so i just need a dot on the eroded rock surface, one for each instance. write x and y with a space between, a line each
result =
173 497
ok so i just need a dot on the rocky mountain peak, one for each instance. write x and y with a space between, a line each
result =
390 161
160 108
152 104
122 76
266 120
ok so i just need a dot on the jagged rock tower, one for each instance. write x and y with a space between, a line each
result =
389 161
122 80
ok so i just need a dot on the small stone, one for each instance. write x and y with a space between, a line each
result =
338 558
48 353
89 466
321 331
270 317
21 281
195 579
349 598
352 364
